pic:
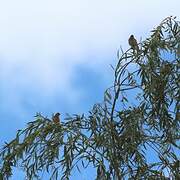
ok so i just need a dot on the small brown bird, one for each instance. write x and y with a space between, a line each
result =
56 118
133 43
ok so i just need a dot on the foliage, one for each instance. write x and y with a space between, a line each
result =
138 118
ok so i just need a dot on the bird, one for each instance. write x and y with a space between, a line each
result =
56 118
133 43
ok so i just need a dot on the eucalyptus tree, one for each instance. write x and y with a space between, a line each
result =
137 121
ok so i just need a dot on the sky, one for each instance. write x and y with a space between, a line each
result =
55 55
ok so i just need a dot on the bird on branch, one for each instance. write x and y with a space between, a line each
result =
133 43
56 118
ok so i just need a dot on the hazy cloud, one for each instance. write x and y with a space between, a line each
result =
42 42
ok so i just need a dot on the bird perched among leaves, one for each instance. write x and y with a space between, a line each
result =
133 43
56 118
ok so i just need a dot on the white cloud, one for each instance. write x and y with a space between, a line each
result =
41 41
58 28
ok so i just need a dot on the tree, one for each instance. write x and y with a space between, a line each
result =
139 116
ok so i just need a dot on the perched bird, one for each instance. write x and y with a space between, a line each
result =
133 43
56 118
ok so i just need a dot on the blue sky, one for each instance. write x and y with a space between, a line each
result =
55 55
